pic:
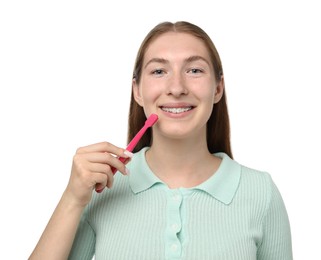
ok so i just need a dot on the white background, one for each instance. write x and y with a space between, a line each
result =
65 78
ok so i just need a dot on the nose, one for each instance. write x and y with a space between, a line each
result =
177 85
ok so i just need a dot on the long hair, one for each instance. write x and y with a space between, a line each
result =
218 126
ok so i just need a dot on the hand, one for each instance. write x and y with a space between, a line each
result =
92 168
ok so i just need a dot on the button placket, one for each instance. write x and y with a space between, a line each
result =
174 224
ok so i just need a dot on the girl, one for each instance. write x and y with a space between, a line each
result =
181 196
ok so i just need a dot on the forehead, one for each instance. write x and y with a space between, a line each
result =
172 45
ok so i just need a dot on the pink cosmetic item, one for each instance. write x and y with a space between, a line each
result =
151 120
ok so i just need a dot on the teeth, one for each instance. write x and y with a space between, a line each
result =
176 110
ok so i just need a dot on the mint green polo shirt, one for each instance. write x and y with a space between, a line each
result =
238 213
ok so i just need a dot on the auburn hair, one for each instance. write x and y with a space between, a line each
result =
218 125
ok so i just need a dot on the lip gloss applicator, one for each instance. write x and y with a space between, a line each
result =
151 120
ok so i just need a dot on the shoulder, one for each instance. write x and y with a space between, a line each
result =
248 180
259 188
256 179
256 182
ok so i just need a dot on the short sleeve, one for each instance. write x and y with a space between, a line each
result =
84 243
276 242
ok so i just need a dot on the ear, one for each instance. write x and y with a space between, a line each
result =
219 90
137 94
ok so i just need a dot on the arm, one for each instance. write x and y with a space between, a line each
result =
91 168
276 243
62 224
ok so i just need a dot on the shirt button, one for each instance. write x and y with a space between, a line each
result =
176 197
175 227
174 247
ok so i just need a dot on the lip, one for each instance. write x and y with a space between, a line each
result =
177 105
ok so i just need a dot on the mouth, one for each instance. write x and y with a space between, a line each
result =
176 110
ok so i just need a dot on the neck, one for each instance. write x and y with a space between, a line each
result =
181 163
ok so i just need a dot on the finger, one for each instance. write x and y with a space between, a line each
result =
99 168
119 166
102 147
105 162
99 157
124 161
110 180
105 180
101 184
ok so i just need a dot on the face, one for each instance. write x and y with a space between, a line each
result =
178 84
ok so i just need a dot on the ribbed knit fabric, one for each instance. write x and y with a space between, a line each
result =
236 214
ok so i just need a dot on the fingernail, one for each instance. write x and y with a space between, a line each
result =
127 171
128 153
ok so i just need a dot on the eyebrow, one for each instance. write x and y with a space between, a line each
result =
196 58
157 60
187 60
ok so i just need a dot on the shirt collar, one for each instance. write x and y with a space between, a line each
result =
141 176
224 183
221 186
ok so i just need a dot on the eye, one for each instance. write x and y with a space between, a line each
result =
158 72
195 71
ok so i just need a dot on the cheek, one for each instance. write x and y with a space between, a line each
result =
207 98
149 95
207 94
150 91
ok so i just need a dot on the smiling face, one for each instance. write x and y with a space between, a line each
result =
178 84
